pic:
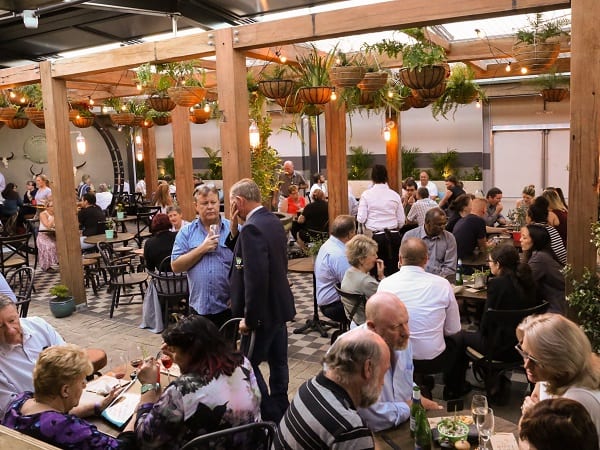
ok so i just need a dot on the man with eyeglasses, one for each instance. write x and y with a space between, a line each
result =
441 245
200 251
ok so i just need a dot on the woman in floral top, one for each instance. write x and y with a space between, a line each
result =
59 380
217 389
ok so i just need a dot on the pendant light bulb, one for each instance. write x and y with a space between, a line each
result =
254 134
80 144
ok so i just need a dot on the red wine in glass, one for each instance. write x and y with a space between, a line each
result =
136 362
166 361
119 374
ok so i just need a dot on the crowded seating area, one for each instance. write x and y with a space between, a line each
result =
287 298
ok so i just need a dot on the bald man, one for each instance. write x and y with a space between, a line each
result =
388 317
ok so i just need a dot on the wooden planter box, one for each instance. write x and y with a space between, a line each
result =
276 88
427 77
187 95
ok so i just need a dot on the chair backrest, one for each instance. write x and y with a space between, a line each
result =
230 331
14 251
251 436
170 284
355 299
500 337
165 265
21 283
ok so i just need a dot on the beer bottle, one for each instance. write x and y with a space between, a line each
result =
416 404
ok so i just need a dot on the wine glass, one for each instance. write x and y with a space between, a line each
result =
135 359
167 362
486 427
119 365
479 407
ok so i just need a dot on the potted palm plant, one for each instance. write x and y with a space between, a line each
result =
538 44
461 89
62 303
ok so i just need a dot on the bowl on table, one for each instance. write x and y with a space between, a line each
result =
452 430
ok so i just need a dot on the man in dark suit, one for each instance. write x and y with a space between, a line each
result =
260 292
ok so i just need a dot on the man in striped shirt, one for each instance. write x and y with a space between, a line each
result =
323 413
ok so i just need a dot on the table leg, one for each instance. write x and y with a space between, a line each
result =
315 323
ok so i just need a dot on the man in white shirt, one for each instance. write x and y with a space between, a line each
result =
430 185
434 318
141 187
103 196
388 317
380 210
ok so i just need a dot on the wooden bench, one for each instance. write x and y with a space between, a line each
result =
14 440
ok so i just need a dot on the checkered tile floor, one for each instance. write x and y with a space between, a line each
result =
309 346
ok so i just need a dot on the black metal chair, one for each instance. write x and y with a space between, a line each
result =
172 289
356 300
21 283
14 252
252 436
144 219
122 276
33 226
499 354
230 331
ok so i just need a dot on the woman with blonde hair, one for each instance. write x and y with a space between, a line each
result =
59 380
557 212
558 357
46 239
43 189
163 197
362 256
527 196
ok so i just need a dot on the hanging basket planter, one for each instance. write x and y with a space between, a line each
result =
536 57
138 120
346 76
373 81
199 116
211 96
416 101
466 98
290 104
433 93
39 123
34 114
276 88
7 113
125 119
83 122
186 95
161 121
312 110
318 95
554 95
161 104
426 77
17 123
366 97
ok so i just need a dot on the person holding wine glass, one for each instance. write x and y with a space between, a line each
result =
217 388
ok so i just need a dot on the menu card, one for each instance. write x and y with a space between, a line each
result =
504 441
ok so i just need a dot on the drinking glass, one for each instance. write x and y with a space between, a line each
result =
479 407
167 362
486 427
118 364
136 358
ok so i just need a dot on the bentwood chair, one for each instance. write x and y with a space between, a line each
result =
172 289
251 436
14 252
21 283
143 221
230 331
500 354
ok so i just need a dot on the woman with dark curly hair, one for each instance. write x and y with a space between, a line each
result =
216 390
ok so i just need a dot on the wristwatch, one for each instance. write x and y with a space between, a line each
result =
149 387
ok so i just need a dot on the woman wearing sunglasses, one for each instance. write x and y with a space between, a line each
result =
558 357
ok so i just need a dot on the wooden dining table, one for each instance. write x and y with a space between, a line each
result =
399 437
120 237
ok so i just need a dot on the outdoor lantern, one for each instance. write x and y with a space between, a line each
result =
80 143
387 133
139 154
254 134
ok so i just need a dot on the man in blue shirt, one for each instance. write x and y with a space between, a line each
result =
331 265
200 251
388 317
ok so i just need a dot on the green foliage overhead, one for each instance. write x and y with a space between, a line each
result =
215 164
313 69
539 30
460 89
409 160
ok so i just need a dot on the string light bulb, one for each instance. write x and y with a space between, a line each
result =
523 70
91 101
254 134
477 103
124 108
138 86
138 139
390 93
387 134
333 95
12 94
282 59
508 68
207 108
139 155
80 144
478 32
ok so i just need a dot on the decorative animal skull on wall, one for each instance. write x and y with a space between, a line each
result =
5 160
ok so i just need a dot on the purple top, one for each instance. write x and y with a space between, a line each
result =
62 430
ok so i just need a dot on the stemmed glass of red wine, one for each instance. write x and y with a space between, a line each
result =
166 361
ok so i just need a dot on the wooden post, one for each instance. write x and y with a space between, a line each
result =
335 141
150 168
182 153
233 102
392 153
585 135
60 162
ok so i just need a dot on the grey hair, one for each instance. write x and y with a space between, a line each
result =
5 300
246 188
173 208
204 190
347 356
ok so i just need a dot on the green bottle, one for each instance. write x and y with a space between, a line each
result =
416 405
459 273
422 431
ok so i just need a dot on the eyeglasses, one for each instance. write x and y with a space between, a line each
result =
527 356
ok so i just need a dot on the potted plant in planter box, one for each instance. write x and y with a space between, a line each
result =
109 232
120 209
538 44
62 303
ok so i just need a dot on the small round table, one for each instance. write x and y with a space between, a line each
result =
97 238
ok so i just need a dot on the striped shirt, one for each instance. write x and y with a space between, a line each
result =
419 209
322 416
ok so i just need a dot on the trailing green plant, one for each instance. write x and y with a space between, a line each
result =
551 80
155 79
137 107
60 291
583 298
115 103
168 164
444 164
215 164
472 175
152 113
539 30
360 161
460 89
273 72
315 244
313 68
409 161
423 52
33 94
